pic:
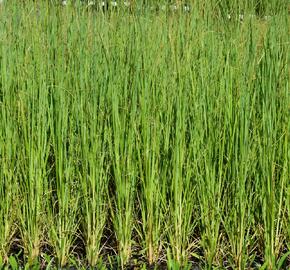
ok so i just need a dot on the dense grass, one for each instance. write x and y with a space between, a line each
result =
144 137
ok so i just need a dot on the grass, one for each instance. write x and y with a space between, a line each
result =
144 138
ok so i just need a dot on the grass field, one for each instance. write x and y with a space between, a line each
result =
145 138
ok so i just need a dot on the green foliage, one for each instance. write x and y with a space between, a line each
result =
144 138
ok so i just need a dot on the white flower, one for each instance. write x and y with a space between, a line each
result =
186 8
174 7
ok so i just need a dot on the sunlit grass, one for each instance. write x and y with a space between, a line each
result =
145 137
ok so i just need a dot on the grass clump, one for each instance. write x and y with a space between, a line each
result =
145 138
